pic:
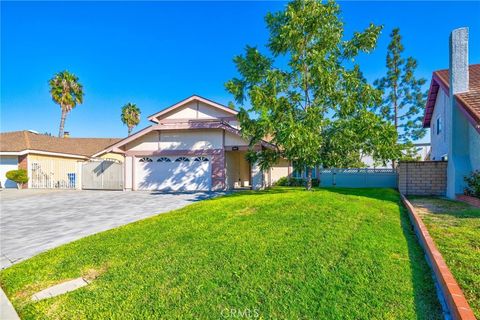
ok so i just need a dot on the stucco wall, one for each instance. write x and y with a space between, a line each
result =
474 146
234 140
279 170
191 140
439 142
196 110
148 142
128 173
115 156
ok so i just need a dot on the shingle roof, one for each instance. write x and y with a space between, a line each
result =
470 100
17 141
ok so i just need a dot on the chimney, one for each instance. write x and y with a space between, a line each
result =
459 60
66 134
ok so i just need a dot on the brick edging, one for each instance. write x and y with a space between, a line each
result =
455 300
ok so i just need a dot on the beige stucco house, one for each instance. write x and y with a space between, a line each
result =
191 146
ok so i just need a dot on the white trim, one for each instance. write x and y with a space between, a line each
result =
48 153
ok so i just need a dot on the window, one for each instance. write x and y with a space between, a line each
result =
182 159
203 159
439 125
145 159
164 159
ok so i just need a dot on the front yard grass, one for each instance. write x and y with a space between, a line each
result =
455 228
283 253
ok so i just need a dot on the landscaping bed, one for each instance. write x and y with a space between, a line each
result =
282 253
455 229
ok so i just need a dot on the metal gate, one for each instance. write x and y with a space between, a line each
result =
53 173
102 175
358 178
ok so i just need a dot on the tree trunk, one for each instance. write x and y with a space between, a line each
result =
309 178
130 130
62 123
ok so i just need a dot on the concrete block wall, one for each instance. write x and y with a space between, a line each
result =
422 177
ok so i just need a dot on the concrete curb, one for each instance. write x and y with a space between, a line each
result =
453 296
7 312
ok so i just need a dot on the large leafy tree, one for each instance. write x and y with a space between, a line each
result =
67 92
403 95
130 116
308 95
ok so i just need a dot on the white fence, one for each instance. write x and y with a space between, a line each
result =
54 174
358 178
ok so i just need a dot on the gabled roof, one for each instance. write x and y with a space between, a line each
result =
18 141
469 101
211 103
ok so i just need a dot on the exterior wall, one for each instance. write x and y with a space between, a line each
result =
257 177
128 173
474 147
196 110
237 170
439 142
57 168
459 164
23 164
148 142
191 140
234 140
7 163
279 170
422 177
115 156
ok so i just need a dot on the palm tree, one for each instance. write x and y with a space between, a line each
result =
67 92
130 116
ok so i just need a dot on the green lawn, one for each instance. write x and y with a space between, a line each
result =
455 228
283 253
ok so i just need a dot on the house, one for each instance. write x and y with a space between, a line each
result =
51 162
453 114
193 145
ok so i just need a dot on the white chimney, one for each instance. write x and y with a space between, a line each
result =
459 60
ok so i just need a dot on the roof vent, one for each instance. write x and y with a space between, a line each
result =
33 131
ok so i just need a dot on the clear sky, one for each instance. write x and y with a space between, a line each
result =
157 53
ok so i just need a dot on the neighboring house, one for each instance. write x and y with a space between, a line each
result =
191 146
453 114
51 162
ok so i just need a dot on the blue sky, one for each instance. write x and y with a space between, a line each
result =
157 53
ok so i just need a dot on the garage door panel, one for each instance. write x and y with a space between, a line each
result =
176 176
6 164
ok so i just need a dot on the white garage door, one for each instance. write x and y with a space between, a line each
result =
7 164
173 173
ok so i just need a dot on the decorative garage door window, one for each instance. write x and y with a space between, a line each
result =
145 159
182 159
164 159
203 159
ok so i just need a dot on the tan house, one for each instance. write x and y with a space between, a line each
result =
51 162
191 146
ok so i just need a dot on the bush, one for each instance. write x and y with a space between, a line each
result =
473 184
295 182
19 176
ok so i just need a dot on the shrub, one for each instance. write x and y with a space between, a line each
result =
295 182
473 184
19 176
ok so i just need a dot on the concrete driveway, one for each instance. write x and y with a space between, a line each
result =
33 221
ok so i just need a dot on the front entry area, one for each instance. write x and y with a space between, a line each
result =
237 169
179 173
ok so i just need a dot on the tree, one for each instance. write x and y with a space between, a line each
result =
403 97
130 116
67 92
318 92
20 176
